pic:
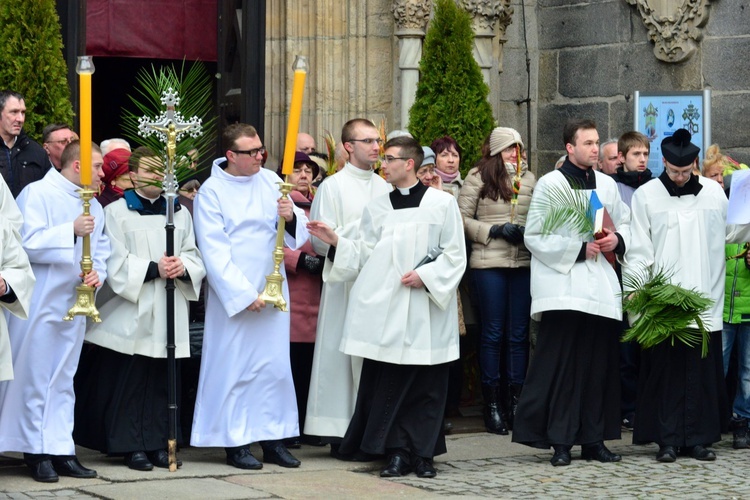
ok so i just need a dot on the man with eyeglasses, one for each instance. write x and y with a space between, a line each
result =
54 139
22 160
245 391
402 316
679 226
339 203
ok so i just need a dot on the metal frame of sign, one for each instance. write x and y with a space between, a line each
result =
659 114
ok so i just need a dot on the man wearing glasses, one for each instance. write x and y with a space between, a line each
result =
339 203
54 139
22 160
245 391
679 226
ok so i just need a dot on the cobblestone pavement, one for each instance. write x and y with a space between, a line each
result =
477 465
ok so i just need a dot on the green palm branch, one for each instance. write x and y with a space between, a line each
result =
195 89
667 312
568 207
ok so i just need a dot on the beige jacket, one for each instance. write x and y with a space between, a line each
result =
481 214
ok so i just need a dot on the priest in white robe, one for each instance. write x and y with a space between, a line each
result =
245 391
122 398
36 408
402 316
679 226
339 203
16 285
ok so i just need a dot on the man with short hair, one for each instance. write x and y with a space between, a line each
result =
339 203
245 391
572 390
114 143
632 153
22 160
402 316
679 227
54 139
608 158
36 409
305 143
123 400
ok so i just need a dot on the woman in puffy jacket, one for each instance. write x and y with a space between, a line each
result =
494 201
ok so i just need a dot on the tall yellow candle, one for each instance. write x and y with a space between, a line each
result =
85 69
298 89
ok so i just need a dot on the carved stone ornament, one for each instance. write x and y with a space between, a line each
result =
483 12
411 15
674 26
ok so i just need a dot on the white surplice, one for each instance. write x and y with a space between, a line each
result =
36 409
339 203
385 320
245 391
134 321
16 271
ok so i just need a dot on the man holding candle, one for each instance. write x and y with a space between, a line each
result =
245 391
339 203
22 160
36 409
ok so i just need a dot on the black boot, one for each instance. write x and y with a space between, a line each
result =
514 392
493 419
739 433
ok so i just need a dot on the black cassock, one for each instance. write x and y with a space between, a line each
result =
682 399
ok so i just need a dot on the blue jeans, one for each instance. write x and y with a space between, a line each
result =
504 306
739 335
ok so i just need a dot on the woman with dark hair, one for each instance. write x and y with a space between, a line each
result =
447 163
494 202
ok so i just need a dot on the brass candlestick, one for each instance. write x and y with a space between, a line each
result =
272 292
85 305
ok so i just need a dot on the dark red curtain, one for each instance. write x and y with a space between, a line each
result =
158 29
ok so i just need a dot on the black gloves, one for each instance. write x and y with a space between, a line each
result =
313 264
512 233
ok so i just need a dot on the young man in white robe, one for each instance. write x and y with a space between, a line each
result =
572 391
679 227
402 317
14 259
339 203
36 408
122 399
245 392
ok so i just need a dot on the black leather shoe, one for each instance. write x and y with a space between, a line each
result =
599 452
274 452
293 443
71 467
242 459
666 454
138 460
43 472
702 453
423 468
160 458
561 456
397 467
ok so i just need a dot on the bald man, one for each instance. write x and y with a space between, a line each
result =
305 143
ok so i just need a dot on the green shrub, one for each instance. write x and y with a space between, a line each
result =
451 95
33 63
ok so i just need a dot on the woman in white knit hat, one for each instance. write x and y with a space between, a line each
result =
494 201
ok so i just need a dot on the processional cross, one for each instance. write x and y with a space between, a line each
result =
170 126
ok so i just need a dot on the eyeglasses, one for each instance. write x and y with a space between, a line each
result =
369 140
62 142
251 152
389 158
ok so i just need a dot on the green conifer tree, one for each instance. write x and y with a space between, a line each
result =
451 95
33 63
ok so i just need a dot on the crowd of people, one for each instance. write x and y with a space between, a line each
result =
383 260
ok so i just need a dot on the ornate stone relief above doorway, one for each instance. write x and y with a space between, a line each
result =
674 26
